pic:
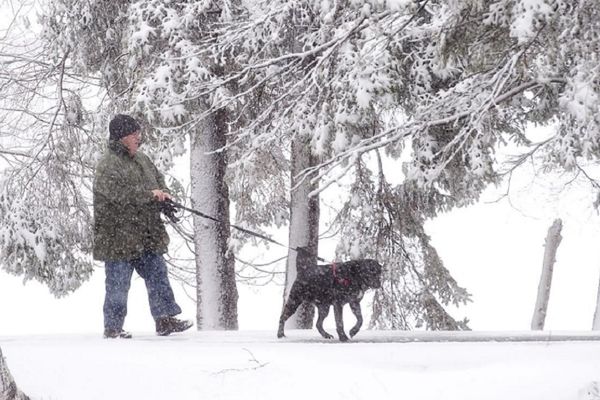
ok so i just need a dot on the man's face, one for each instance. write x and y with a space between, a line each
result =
132 142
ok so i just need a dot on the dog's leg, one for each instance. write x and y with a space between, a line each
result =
323 312
355 307
339 321
291 305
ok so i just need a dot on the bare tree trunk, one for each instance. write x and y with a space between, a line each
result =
304 227
541 305
8 387
596 323
216 289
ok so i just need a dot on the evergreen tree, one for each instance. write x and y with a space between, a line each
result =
340 84
46 155
450 80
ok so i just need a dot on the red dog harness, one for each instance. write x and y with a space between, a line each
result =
341 281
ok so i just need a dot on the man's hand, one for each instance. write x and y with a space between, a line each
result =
161 196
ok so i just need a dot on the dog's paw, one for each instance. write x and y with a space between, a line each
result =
280 335
353 332
343 338
328 336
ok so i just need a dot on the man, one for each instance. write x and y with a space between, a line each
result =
129 233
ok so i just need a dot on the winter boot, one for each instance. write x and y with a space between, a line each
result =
167 325
116 334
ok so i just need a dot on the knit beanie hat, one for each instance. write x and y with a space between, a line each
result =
122 125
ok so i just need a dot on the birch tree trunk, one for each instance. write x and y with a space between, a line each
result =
541 305
304 227
216 290
8 387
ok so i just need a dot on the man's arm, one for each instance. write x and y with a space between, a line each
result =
162 193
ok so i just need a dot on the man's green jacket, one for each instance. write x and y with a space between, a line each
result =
126 217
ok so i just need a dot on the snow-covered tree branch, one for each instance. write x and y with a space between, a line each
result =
46 155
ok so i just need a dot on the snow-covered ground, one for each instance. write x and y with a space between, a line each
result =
255 365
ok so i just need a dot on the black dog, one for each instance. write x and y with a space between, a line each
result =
332 284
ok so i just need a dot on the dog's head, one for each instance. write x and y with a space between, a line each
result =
367 272
371 273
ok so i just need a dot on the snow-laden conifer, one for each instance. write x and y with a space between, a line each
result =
46 154
451 80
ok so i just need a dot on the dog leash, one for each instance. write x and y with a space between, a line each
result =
239 228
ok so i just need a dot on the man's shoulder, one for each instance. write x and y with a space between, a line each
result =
107 157
143 156
109 160
144 159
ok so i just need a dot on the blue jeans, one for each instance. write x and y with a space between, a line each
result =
153 269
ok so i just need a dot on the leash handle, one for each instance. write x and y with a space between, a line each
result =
239 228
